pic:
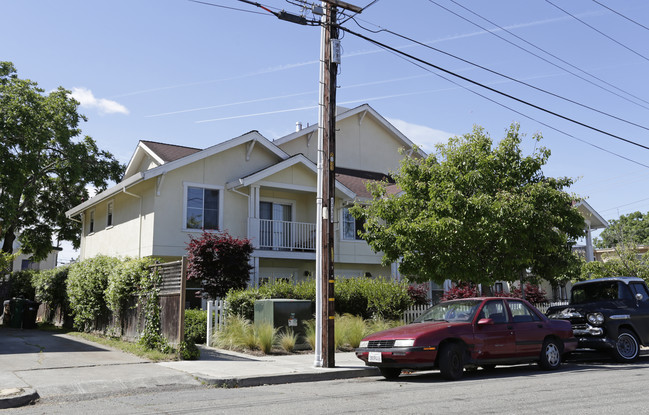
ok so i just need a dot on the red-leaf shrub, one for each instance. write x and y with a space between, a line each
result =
461 291
419 294
533 293
220 261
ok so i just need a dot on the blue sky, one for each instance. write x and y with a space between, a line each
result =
185 73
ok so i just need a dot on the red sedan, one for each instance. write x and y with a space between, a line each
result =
470 332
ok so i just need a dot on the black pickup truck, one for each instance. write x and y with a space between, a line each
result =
608 314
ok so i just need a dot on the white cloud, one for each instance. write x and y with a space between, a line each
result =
105 106
424 137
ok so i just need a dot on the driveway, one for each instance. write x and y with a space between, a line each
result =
58 365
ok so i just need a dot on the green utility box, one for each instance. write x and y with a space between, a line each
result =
285 313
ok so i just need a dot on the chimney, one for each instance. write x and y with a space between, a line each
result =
298 126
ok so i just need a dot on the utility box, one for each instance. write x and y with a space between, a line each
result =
285 313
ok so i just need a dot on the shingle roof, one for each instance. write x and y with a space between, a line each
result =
356 181
170 152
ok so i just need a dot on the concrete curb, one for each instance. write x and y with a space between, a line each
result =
280 379
13 398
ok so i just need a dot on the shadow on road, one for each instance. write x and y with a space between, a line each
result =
15 341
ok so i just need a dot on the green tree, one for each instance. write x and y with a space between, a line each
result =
45 169
623 261
631 228
475 212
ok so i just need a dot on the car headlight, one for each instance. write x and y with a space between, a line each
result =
404 342
595 319
364 343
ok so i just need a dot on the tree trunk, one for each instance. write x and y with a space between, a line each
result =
8 246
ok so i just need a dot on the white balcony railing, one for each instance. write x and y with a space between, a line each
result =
285 236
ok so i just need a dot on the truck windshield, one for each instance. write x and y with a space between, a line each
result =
599 291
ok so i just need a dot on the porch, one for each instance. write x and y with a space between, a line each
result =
282 235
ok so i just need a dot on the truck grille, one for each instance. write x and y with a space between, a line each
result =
380 344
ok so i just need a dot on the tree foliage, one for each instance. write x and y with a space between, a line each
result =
45 168
475 212
632 228
220 262
624 260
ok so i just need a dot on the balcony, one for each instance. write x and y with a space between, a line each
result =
278 235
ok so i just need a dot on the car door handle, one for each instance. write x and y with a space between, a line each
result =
510 327
539 326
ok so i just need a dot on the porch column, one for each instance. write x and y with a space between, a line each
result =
254 272
394 270
590 256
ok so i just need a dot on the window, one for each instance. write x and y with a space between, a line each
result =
91 224
202 207
521 313
109 214
276 228
498 287
494 310
351 226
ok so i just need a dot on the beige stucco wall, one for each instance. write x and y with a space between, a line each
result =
362 146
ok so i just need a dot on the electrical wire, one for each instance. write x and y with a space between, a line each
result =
599 31
503 75
439 68
546 52
621 15
518 112
227 7
356 13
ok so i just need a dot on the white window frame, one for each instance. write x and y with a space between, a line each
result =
342 228
91 222
186 186
110 214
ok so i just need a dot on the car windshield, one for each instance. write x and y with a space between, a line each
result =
598 291
462 310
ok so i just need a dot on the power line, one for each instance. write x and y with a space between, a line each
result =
599 31
424 62
503 75
546 52
227 7
621 15
522 114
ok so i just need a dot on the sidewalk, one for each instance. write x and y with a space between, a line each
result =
36 364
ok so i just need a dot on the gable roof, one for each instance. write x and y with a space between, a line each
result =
161 153
357 180
362 110
268 171
252 138
591 217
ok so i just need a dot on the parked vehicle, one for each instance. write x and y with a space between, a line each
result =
609 314
469 333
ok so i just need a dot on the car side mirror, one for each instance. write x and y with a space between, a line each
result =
485 322
638 297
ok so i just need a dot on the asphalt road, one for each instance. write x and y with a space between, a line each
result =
585 386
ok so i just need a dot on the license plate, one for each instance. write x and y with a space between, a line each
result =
374 357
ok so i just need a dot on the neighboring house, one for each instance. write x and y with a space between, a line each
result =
23 262
251 187
605 254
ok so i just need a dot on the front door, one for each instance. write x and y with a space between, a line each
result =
275 225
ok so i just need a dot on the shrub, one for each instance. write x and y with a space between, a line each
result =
418 294
461 291
195 326
124 281
50 286
309 333
188 351
220 262
237 334
354 329
388 299
533 293
287 340
20 284
266 336
242 303
352 296
86 284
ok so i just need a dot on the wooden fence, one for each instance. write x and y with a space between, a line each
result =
215 318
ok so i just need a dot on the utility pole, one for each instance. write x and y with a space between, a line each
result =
325 278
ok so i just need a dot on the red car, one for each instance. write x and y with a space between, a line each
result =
470 332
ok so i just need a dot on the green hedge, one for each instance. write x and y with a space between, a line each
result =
195 326
20 284
363 297
50 286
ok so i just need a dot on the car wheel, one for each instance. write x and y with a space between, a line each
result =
390 373
451 362
626 347
551 354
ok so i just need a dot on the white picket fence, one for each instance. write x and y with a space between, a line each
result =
413 312
215 318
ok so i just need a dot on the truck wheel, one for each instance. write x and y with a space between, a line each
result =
626 347
451 362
